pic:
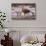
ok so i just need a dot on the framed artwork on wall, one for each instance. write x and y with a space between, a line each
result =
23 11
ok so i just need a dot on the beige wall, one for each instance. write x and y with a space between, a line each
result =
38 24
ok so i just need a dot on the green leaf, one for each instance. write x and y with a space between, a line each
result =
2 26
4 16
4 13
0 12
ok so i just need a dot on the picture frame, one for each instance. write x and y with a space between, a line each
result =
23 11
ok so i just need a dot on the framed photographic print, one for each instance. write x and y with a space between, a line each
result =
23 11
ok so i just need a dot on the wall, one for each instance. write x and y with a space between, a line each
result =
40 16
39 23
